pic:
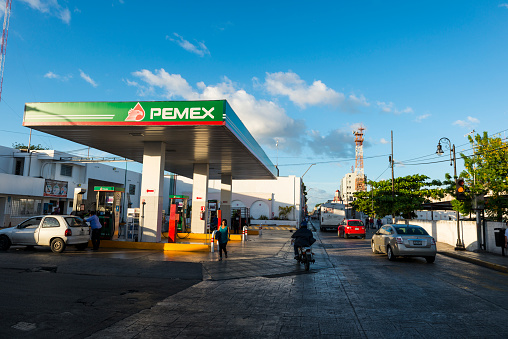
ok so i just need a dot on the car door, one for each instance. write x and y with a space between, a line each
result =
49 228
24 234
376 239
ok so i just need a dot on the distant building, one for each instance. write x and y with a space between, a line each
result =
348 186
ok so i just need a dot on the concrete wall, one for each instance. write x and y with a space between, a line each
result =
446 231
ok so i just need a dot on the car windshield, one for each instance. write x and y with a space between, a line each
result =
411 230
355 223
74 221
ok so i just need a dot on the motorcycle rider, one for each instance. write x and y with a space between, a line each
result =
302 237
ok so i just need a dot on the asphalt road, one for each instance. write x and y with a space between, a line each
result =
259 291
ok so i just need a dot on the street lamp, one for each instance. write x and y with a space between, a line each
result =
307 169
447 143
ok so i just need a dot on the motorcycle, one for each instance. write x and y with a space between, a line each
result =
306 257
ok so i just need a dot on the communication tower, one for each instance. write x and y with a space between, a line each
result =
3 47
360 176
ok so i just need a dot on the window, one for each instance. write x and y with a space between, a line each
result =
30 223
132 189
25 207
50 222
74 221
19 167
66 170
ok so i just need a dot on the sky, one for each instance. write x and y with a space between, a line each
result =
302 76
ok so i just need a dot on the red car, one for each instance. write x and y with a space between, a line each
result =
351 228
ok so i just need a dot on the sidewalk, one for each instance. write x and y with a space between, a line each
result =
485 259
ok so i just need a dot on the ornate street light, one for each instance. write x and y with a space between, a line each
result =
447 143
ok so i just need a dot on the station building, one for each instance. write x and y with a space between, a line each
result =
40 181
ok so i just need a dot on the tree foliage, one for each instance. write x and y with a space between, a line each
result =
410 192
18 145
486 174
284 211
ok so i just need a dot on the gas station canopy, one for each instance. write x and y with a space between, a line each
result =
194 132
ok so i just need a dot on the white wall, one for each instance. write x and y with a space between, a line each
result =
284 191
446 231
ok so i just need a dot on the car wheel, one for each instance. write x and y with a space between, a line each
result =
430 260
373 248
81 247
5 243
57 245
389 253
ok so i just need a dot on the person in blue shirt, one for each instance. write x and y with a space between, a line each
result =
96 226
222 236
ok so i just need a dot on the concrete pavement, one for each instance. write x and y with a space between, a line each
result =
485 259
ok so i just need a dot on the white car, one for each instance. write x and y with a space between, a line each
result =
56 231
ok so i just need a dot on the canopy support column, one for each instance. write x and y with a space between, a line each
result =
199 198
152 190
226 196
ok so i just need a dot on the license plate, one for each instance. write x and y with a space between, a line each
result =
417 243
356 228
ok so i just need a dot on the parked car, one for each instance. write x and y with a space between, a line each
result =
56 231
351 228
404 240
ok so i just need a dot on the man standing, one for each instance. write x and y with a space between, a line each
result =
96 226
506 236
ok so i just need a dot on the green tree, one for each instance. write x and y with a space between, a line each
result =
410 193
486 173
18 145
284 211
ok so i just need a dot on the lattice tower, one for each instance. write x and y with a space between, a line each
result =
360 176
3 47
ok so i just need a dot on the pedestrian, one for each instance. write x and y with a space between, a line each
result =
371 222
379 223
222 236
367 222
214 222
96 226
506 236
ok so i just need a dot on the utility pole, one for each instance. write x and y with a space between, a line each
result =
393 181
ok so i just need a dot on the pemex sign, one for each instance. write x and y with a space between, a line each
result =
125 113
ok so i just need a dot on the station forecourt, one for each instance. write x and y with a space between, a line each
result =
201 140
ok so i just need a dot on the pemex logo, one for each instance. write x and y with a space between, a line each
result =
136 114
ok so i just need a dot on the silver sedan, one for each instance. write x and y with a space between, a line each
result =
404 240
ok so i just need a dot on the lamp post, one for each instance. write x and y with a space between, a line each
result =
307 170
447 143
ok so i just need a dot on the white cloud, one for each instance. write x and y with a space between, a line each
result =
385 107
390 108
2 8
420 118
266 120
87 78
470 122
199 49
51 7
384 141
291 85
51 75
503 5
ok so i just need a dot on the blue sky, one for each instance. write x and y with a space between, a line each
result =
306 74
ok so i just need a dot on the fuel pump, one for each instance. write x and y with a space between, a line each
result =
108 207
177 215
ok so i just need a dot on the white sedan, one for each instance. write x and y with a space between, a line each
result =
56 231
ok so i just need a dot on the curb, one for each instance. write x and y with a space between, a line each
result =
496 267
